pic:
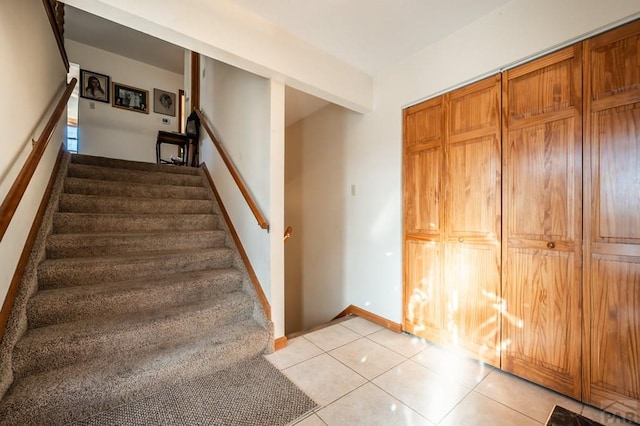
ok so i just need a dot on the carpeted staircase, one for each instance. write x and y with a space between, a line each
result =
139 288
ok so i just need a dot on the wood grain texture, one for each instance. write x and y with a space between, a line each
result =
422 173
423 161
472 220
611 330
542 190
422 168
472 300
616 169
452 231
540 335
423 293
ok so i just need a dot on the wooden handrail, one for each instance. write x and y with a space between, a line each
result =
16 192
287 233
53 13
234 173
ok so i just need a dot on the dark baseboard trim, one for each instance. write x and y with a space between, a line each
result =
377 319
280 343
10 298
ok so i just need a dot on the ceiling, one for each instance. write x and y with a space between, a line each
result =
95 31
370 35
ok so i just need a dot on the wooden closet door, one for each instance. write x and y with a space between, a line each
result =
472 220
423 233
612 222
542 144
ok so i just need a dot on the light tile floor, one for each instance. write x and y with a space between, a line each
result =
362 374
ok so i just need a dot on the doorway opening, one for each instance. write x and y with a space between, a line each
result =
72 111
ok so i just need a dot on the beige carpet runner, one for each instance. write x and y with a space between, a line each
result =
251 393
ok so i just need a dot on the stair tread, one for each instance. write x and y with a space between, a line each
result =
62 395
98 182
139 283
129 258
61 344
129 215
67 222
126 322
128 199
78 170
134 190
87 244
60 305
130 165
86 203
128 235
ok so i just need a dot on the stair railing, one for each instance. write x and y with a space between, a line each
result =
55 13
16 192
287 233
262 222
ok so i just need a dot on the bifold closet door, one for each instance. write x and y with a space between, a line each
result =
612 222
542 221
472 220
423 159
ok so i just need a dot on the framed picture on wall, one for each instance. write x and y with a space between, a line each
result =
94 86
131 98
164 102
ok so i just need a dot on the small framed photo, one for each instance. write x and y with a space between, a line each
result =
94 86
164 102
131 98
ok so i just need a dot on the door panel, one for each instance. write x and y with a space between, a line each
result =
542 181
542 137
540 334
472 295
616 324
423 289
422 186
422 205
611 349
473 188
472 220
423 161
617 162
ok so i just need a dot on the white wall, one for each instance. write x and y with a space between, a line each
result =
32 77
359 238
114 132
276 204
317 201
237 106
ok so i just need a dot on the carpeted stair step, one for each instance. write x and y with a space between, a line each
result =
78 203
138 291
58 345
108 244
131 165
69 272
104 300
133 176
107 188
77 391
72 223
